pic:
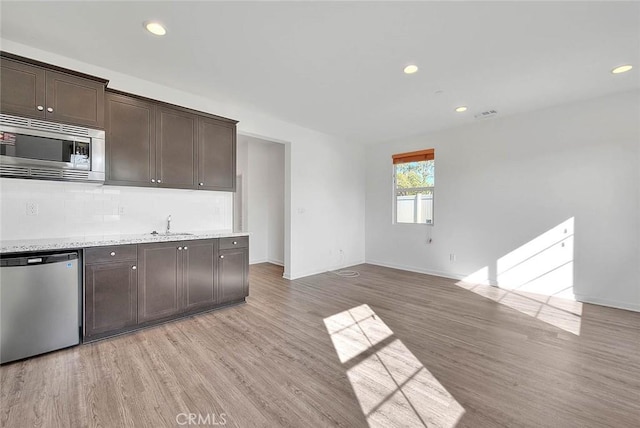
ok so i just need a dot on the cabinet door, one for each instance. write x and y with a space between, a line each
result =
199 274
23 89
131 141
216 155
158 281
175 148
233 275
111 292
74 100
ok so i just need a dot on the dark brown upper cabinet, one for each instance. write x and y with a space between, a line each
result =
33 89
216 155
131 141
150 143
175 148
23 89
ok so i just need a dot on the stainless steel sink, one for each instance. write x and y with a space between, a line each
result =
154 233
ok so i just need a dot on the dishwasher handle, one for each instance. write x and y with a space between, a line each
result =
38 259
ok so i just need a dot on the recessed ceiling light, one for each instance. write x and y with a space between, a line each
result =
461 109
410 69
622 69
155 28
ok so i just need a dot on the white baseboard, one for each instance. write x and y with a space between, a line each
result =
581 298
610 303
274 262
448 275
344 266
298 275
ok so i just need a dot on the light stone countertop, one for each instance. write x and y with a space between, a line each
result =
77 242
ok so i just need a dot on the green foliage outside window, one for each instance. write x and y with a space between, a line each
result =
414 174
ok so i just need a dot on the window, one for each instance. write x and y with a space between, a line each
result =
413 186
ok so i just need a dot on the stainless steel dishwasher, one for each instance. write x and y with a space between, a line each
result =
39 304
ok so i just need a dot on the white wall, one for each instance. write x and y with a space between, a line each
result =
324 175
502 182
262 166
84 209
275 243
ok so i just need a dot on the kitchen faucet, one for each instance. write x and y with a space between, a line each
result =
168 224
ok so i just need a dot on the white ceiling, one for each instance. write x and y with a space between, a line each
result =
337 66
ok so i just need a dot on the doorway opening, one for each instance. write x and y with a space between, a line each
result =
259 201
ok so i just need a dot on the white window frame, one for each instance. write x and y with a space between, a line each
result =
411 189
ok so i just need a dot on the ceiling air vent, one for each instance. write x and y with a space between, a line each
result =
486 114
14 171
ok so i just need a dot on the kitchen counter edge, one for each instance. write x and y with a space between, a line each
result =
54 244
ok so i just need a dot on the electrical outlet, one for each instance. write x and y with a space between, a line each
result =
32 208
452 257
121 210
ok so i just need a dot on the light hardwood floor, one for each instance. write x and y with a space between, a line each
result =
389 348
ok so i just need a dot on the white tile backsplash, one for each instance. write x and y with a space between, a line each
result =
86 209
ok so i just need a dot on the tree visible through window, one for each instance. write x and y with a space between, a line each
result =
414 181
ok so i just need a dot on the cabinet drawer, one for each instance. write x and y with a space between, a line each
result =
110 254
235 242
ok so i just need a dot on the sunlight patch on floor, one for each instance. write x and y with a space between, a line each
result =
558 312
536 279
392 386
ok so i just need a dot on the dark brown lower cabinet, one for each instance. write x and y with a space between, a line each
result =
111 292
132 286
159 282
176 277
198 274
233 274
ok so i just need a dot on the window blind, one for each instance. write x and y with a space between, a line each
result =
418 156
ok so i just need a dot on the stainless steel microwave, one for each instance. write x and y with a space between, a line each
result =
32 148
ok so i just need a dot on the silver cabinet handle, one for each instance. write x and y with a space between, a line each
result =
153 180
134 267
222 257
179 248
186 248
159 181
113 253
50 109
235 242
40 108
200 184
